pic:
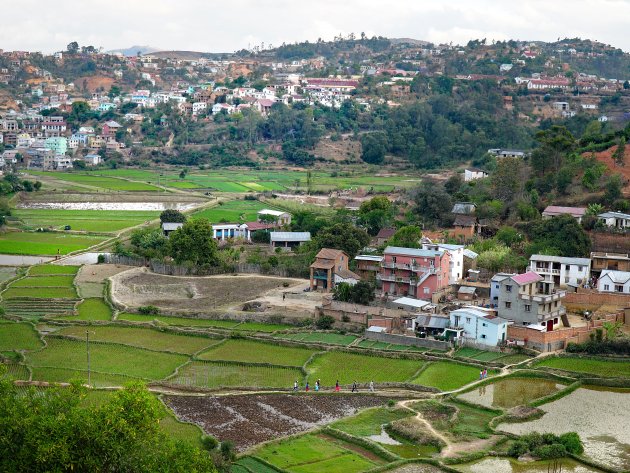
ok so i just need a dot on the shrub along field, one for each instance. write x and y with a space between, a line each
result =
45 243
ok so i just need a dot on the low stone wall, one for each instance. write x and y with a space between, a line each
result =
558 339
410 341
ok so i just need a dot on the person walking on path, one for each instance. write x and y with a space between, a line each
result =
371 386
354 387
317 385
307 386
485 373
481 374
295 386
337 386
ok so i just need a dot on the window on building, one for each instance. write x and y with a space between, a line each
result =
580 268
606 287
508 305
393 259
484 324
508 288
467 320
496 286
528 308
566 279
426 290
618 288
483 336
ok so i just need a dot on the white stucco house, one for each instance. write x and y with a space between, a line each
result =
615 219
479 326
614 281
561 270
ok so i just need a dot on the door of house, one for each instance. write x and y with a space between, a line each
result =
549 325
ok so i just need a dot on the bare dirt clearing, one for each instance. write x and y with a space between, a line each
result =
248 420
90 280
139 287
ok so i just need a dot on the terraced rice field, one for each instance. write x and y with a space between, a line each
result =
106 358
142 338
350 367
18 336
256 352
317 453
216 375
99 182
315 337
45 243
232 211
46 269
93 308
106 221
593 366
447 376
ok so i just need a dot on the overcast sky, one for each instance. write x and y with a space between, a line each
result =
212 26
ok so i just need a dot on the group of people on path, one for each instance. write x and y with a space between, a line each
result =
355 386
483 374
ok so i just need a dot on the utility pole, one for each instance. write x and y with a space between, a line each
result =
87 344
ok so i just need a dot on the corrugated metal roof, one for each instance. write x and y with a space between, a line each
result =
290 236
614 215
618 277
374 258
561 259
412 252
171 226
411 302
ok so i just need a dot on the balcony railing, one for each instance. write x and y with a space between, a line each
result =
559 312
368 267
546 270
388 264
544 298
386 277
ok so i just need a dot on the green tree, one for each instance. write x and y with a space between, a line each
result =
342 236
432 202
562 234
72 47
620 153
613 189
362 293
373 147
342 291
507 180
375 214
554 145
406 237
193 243
172 216
52 430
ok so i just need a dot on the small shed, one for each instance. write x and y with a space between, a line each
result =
467 293
170 227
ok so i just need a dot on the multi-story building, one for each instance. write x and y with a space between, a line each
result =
613 261
368 266
413 272
329 269
561 270
58 145
529 299
457 266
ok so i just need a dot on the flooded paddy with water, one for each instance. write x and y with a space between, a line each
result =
599 415
511 392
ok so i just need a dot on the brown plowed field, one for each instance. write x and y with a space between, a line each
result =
248 420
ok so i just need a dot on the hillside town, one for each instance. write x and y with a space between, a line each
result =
350 255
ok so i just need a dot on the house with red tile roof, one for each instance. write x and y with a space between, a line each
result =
555 211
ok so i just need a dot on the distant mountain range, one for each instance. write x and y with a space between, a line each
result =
134 50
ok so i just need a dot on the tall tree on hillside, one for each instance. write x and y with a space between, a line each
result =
507 180
554 145
342 236
406 237
73 47
620 153
374 147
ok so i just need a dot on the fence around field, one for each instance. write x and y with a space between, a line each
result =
167 269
